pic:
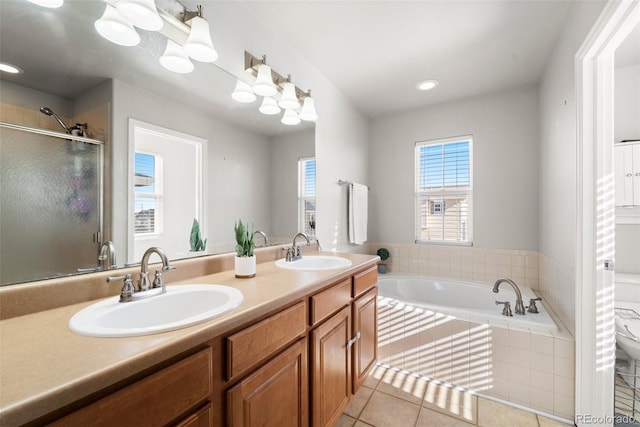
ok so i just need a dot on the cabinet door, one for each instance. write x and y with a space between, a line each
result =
275 395
202 418
331 372
365 326
623 167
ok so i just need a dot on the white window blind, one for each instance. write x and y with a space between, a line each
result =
148 194
307 195
443 190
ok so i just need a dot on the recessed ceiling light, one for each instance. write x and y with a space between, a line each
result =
8 68
427 85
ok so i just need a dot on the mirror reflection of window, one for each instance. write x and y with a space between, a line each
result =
307 195
148 194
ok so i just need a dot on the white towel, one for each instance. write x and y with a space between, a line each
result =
358 195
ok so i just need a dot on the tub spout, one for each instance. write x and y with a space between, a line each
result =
519 304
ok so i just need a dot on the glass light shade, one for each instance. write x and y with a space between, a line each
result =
308 112
113 27
289 100
199 45
269 106
175 59
48 3
290 118
243 92
264 82
141 13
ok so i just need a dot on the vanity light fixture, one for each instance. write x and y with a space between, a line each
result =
308 112
113 27
289 100
199 45
427 85
269 106
243 92
290 118
141 13
291 97
10 68
175 59
264 85
48 3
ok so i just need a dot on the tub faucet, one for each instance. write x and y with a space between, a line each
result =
264 236
519 304
107 257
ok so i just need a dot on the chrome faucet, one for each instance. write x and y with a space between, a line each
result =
264 236
295 247
519 304
107 256
145 289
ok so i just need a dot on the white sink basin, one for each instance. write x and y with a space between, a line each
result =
179 307
313 263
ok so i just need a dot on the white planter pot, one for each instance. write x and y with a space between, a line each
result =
245 267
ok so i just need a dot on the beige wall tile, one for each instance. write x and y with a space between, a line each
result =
542 381
541 344
520 358
520 394
542 362
564 348
520 340
564 367
541 400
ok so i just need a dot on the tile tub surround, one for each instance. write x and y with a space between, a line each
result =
525 367
462 262
393 397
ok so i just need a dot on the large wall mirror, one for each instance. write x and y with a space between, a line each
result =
251 165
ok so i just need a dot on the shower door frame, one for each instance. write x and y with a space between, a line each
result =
99 237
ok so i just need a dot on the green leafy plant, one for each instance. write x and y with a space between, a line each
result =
195 240
384 254
244 239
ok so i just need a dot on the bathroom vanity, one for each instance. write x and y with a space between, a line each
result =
293 353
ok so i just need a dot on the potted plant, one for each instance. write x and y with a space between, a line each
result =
384 255
195 240
245 261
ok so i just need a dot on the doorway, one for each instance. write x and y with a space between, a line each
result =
595 321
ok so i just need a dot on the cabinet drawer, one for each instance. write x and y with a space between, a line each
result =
248 347
155 400
365 280
330 300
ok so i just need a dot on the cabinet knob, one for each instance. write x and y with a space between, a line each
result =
637 173
629 174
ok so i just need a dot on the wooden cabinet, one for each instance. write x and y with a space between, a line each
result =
275 395
331 374
365 348
159 399
202 418
627 174
344 344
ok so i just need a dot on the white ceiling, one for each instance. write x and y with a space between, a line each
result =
377 51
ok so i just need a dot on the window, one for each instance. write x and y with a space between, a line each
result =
148 194
443 190
307 195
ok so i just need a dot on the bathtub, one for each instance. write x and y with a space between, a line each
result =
465 300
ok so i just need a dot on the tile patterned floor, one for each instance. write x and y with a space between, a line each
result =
395 398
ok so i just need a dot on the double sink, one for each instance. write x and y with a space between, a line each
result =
181 306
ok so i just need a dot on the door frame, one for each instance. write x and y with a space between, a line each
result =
595 237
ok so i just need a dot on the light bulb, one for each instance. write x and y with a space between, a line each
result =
175 59
113 27
141 13
199 45
243 92
290 118
264 82
289 100
269 106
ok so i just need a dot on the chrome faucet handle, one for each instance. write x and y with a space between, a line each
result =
158 281
533 308
506 311
288 255
127 291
